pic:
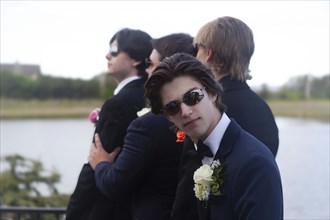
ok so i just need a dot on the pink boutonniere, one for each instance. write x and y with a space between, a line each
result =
94 116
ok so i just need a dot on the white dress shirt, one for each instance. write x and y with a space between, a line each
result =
124 83
215 137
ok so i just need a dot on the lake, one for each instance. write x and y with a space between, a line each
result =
303 157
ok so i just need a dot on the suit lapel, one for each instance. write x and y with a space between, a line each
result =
225 148
228 140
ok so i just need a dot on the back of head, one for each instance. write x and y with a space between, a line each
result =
180 64
174 43
232 41
136 44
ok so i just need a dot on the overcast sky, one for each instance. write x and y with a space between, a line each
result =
70 38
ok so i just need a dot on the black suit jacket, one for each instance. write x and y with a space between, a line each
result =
250 111
86 202
252 183
146 170
185 204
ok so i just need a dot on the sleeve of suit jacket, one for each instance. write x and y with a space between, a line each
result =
146 169
119 179
257 190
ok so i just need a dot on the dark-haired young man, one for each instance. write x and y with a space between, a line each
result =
225 173
126 64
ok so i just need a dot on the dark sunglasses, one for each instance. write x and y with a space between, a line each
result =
148 62
190 98
114 50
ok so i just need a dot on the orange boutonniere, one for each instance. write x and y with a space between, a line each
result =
180 136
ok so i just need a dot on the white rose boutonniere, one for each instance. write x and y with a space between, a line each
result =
208 180
143 111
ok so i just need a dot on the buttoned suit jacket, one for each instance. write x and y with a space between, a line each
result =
250 111
87 202
252 183
146 170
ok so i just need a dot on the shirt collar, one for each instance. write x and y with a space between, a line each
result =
124 83
215 137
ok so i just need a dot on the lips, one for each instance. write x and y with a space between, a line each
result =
191 122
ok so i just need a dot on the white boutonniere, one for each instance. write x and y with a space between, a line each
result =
143 111
208 180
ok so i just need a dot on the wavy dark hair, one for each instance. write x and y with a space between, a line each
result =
180 64
174 43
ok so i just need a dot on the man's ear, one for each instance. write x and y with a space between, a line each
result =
136 63
213 97
209 55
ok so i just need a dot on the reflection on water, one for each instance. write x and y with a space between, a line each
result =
303 157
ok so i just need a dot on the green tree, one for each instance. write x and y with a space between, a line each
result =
265 92
306 87
18 86
320 87
107 85
20 184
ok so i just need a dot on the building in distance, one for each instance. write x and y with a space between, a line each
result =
30 70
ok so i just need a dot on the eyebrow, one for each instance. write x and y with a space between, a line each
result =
183 95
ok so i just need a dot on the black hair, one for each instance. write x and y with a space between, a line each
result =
137 44
180 64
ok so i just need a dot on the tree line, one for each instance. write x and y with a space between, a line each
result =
300 88
18 86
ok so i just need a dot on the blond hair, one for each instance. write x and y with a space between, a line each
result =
232 42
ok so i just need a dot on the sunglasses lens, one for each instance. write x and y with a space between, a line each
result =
190 98
114 51
148 62
114 54
171 108
193 97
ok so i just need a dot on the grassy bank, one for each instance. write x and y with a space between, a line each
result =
11 109
311 109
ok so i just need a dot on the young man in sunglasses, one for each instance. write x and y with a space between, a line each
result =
147 168
227 172
126 64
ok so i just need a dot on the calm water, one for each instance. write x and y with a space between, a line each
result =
303 157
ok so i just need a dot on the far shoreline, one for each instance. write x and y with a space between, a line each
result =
61 109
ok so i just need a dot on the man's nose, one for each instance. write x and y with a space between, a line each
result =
185 109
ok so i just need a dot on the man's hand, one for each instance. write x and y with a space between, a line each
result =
97 153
